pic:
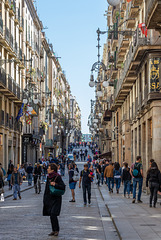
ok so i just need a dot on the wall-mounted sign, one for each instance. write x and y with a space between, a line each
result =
154 74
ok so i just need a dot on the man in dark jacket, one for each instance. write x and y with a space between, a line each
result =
16 181
29 174
85 178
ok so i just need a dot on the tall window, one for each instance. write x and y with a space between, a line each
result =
146 74
140 82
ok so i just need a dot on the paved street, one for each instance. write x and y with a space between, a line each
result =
22 219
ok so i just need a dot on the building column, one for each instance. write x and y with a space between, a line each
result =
156 136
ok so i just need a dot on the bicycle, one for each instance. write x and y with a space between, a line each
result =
37 184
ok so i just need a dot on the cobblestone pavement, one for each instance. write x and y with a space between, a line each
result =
22 219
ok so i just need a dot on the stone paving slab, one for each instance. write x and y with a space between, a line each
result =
133 221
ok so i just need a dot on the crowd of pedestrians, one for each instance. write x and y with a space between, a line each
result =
99 171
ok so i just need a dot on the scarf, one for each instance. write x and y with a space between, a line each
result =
52 175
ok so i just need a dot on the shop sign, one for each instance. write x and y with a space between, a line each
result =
154 74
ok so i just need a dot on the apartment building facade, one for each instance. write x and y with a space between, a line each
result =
135 72
30 73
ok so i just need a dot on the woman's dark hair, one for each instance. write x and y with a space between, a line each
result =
154 165
152 160
126 165
117 166
54 167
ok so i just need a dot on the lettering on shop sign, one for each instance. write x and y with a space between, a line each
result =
154 74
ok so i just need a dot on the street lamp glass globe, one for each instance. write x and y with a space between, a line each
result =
99 94
91 83
105 84
96 120
113 2
25 101
95 125
30 109
54 120
100 114
35 101
50 126
59 131
97 129
56 127
62 127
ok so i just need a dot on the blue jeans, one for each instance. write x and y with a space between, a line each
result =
140 182
109 182
118 182
30 179
127 186
16 190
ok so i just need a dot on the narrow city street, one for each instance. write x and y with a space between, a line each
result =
22 219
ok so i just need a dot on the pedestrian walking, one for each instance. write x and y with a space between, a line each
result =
100 171
16 181
52 202
44 172
9 174
137 174
153 180
126 179
29 174
85 178
22 171
37 174
117 176
1 184
73 172
109 176
86 152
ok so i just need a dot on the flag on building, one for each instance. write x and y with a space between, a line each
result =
143 29
129 1
20 113
28 116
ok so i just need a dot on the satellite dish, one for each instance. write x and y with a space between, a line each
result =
113 2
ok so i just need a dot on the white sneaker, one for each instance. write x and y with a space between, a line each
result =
2 197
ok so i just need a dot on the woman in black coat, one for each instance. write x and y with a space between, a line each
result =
154 180
52 204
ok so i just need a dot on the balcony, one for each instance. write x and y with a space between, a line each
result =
18 126
21 27
3 81
1 25
107 116
153 16
128 74
7 3
6 120
17 17
12 9
131 23
7 34
18 92
11 122
16 48
137 2
1 117
133 10
114 39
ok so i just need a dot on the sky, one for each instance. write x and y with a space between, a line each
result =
72 26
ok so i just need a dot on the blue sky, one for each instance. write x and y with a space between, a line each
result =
72 26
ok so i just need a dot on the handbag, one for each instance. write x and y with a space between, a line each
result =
56 192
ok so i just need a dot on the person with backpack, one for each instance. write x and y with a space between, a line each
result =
86 178
126 179
136 172
153 179
73 178
117 176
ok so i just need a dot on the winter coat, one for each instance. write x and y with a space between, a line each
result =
52 204
154 176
